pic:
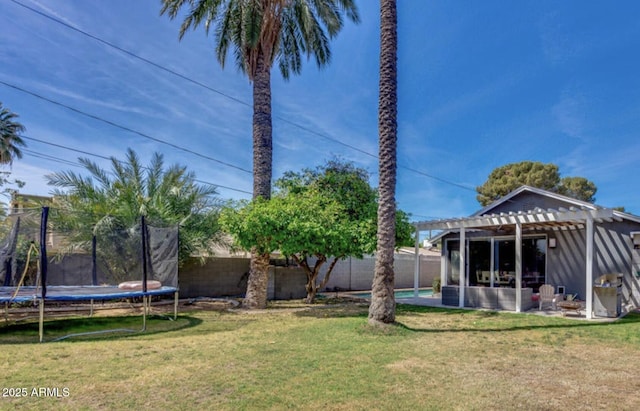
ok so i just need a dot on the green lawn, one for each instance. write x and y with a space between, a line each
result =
325 357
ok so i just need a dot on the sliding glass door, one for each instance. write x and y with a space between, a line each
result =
492 262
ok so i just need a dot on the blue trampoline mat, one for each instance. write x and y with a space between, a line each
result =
77 293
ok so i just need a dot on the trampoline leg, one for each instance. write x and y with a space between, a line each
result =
175 307
91 308
144 312
41 325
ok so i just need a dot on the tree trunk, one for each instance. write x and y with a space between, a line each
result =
383 307
262 133
312 275
256 296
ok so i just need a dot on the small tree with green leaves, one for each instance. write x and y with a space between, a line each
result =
316 217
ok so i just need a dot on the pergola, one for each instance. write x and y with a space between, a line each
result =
537 219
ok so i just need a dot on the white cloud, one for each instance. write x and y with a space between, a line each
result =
570 114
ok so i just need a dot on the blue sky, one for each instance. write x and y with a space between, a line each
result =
480 85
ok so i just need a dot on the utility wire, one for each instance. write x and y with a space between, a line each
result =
63 161
50 157
131 54
125 128
198 83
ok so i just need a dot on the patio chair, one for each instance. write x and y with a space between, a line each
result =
547 295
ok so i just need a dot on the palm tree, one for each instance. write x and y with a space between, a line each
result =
10 139
260 33
383 309
109 201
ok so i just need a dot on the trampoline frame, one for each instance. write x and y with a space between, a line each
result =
39 295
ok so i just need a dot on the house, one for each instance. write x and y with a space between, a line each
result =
532 237
27 207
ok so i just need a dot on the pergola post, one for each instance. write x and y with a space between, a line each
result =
463 272
589 267
518 267
493 262
416 273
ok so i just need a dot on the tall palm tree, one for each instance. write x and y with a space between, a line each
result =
10 140
383 307
260 33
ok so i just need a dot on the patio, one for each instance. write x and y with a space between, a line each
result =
436 301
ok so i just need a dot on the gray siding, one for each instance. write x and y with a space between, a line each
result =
527 201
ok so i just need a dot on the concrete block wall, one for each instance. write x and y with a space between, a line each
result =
225 277
357 274
217 277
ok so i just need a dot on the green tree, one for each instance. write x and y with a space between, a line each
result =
315 217
507 178
10 140
578 187
261 33
383 306
105 202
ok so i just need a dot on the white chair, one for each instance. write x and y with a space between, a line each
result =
547 295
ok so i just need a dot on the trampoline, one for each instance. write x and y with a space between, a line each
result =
146 252
77 293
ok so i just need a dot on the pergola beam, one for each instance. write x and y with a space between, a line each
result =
535 218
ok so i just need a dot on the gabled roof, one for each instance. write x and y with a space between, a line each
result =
575 212
522 189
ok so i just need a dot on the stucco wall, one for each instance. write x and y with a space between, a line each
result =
228 276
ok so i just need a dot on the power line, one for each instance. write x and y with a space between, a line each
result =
131 54
198 83
66 148
50 158
75 164
125 128
64 161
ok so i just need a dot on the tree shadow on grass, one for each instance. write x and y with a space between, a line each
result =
463 320
505 321
336 310
95 328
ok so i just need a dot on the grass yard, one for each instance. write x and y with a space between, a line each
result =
324 357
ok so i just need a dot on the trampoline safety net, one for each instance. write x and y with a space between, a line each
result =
80 252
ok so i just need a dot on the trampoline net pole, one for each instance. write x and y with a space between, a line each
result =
94 268
43 250
143 233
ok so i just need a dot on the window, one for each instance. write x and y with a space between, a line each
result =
453 262
492 262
